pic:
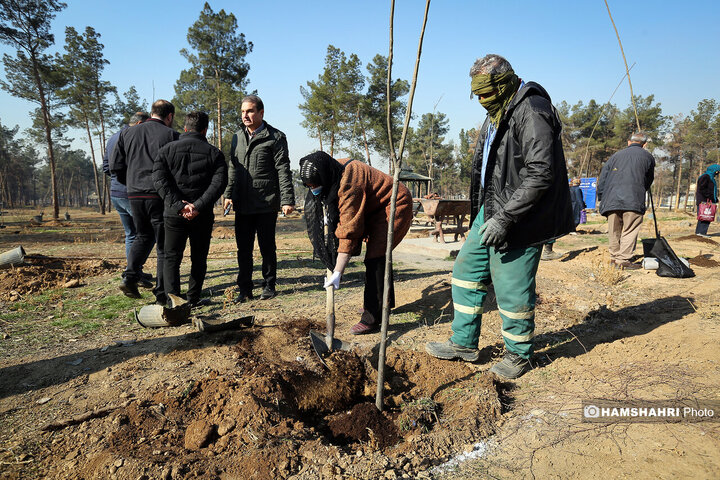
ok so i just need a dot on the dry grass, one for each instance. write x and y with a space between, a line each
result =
607 273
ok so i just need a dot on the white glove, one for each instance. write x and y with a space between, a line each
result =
333 280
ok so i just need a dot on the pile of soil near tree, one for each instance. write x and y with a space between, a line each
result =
271 418
40 273
703 261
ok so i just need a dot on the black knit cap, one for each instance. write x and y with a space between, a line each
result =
309 172
320 169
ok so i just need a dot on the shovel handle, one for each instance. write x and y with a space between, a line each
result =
330 313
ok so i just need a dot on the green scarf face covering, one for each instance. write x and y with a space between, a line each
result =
506 84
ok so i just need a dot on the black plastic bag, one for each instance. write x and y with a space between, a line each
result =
669 265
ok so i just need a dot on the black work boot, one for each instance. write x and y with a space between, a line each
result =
243 297
548 254
450 350
268 293
130 289
511 366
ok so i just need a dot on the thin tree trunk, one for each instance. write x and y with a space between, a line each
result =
397 164
320 138
367 149
94 165
687 190
68 189
679 180
219 111
48 135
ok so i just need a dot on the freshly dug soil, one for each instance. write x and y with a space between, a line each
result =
270 418
41 273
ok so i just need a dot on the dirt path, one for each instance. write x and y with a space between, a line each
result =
126 402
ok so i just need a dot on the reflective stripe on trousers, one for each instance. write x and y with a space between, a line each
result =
513 275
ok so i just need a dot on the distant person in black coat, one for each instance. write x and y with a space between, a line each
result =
578 205
706 191
623 181
576 198
132 161
190 175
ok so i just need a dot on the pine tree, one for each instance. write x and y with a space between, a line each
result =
85 92
217 76
374 106
25 25
331 102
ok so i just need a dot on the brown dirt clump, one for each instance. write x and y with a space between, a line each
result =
703 261
223 233
364 423
40 273
332 390
698 238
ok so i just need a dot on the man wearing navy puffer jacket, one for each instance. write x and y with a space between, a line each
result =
189 175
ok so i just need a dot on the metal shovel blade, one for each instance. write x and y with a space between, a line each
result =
320 345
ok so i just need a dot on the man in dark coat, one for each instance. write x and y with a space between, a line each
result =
259 184
118 193
520 200
623 181
132 161
190 175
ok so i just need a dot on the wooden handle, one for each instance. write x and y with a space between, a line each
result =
330 313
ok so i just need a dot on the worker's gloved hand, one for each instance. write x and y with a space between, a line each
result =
333 280
492 233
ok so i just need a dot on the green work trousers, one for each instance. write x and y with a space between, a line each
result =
513 275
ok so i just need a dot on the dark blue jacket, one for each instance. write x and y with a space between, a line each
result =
624 179
134 154
578 203
117 189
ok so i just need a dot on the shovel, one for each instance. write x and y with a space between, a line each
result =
324 344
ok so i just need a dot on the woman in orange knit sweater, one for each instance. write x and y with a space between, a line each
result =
348 203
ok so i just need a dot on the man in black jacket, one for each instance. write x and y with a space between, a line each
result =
623 181
132 161
118 193
520 200
190 176
259 184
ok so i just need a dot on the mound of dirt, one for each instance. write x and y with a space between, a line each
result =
698 238
223 232
271 418
703 261
40 273
364 423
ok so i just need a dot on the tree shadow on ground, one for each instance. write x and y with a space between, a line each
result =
288 281
574 253
40 374
433 307
604 325
599 326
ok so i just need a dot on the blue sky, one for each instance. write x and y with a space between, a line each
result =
567 46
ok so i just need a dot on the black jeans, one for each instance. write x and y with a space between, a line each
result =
374 284
177 232
702 227
246 226
147 215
